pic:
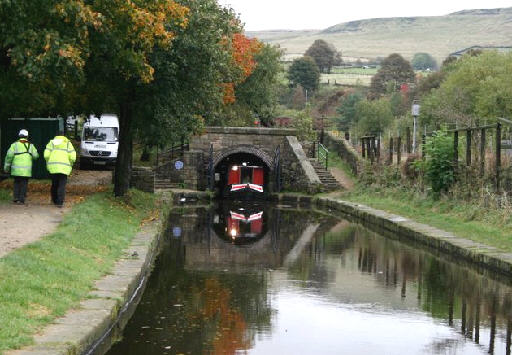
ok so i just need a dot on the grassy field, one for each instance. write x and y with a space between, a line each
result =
43 280
465 219
437 35
356 71
350 79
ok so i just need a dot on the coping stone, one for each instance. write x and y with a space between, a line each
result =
476 252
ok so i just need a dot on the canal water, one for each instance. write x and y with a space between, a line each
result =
266 279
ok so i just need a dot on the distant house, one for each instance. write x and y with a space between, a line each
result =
502 49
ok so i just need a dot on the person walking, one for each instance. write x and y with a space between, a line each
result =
60 156
18 162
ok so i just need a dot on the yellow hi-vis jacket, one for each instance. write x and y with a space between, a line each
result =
19 158
59 155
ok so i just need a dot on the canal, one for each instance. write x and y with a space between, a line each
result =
266 279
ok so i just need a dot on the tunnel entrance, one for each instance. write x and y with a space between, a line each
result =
242 176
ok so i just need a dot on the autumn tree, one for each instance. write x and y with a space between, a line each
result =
304 72
394 71
119 63
324 55
189 87
43 49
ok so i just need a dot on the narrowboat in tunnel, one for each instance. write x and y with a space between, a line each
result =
243 177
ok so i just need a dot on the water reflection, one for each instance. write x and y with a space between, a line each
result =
302 283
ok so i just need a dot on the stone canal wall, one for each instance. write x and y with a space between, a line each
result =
406 229
344 150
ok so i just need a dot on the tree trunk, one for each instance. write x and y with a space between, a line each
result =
123 170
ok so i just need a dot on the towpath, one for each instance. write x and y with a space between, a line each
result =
21 225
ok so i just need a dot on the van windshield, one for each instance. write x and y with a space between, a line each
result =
102 134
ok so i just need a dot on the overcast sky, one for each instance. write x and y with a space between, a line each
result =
319 14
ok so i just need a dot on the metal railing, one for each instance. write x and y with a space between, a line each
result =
323 155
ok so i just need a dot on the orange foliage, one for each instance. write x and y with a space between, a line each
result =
231 327
229 93
243 51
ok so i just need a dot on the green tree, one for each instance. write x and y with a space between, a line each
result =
186 91
324 55
347 111
303 123
394 71
476 87
259 92
423 61
373 116
304 72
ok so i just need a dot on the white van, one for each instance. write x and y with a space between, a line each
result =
99 141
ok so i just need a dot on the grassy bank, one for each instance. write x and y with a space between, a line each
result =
470 220
45 279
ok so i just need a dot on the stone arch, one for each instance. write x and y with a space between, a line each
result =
248 149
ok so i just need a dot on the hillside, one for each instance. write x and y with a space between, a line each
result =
437 35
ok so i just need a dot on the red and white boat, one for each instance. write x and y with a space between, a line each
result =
245 178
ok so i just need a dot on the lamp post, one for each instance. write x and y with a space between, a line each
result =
415 114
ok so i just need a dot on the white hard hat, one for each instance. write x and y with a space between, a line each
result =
23 133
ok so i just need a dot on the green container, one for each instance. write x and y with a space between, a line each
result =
40 131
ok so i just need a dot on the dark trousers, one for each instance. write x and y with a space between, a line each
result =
20 188
59 188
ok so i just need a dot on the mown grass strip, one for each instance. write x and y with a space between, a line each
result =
45 279
489 226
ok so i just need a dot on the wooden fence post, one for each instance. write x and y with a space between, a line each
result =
408 139
468 147
378 149
369 150
498 155
482 152
423 144
398 150
390 158
455 152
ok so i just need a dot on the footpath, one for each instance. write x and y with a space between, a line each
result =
25 224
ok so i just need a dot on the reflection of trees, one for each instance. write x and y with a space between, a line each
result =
196 312
466 299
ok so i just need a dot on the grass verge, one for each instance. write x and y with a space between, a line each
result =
5 195
45 279
469 220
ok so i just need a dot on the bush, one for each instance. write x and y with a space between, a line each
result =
438 167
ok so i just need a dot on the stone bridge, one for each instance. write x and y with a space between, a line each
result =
222 144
